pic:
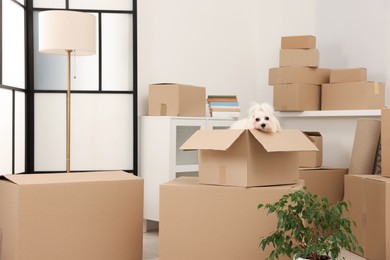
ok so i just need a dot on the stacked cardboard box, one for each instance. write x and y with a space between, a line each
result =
215 216
349 89
297 81
369 196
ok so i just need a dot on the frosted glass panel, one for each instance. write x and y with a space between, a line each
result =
50 71
13 45
20 132
117 57
50 132
102 132
5 131
49 3
182 135
101 4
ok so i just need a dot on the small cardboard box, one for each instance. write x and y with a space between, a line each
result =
241 157
298 74
370 209
298 42
385 141
74 216
325 182
313 158
348 75
297 97
169 99
297 57
208 222
353 95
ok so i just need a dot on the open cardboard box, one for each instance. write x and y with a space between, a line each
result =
248 157
77 216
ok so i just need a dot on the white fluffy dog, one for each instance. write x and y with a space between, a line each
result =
261 117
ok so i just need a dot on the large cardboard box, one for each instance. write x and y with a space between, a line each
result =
211 222
297 97
312 158
248 157
385 142
370 209
325 182
348 75
298 74
299 57
170 99
298 42
74 216
353 95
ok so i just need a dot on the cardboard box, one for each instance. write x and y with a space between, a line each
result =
385 142
298 42
242 157
348 75
353 95
325 182
74 216
170 99
298 74
211 222
370 209
312 158
297 97
297 57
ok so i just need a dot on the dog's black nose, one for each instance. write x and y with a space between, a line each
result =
263 125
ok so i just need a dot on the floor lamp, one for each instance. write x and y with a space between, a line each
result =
67 33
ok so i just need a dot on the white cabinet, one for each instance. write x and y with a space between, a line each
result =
161 160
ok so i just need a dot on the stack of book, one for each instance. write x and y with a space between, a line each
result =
223 106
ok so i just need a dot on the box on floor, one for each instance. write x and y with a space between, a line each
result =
74 216
170 99
296 97
325 182
211 222
311 159
385 142
370 209
240 157
353 95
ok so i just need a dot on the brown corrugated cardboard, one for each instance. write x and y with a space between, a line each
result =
297 57
325 182
240 157
370 209
211 222
312 158
298 42
298 74
353 95
170 99
297 97
74 216
385 142
348 75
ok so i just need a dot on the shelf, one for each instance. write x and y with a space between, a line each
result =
331 113
187 168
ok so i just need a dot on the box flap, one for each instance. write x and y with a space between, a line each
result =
212 139
53 178
287 140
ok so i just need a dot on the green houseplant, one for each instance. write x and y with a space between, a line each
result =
309 227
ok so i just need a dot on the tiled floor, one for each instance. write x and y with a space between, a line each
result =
150 250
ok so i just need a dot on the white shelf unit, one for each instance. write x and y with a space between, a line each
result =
337 128
161 160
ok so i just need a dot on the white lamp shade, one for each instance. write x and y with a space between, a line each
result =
61 31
